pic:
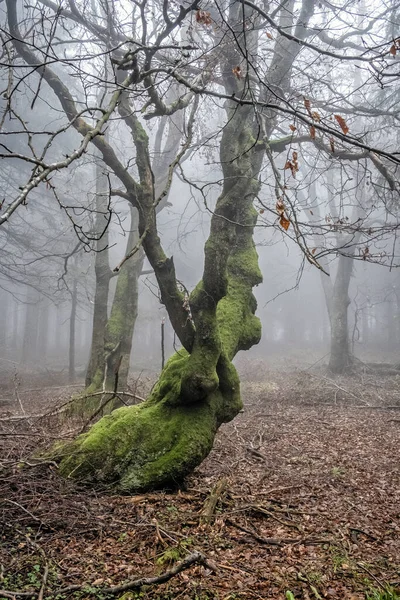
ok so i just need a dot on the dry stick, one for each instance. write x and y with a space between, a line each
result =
336 385
279 541
19 399
195 557
268 513
23 509
371 574
45 575
263 540
212 500
62 408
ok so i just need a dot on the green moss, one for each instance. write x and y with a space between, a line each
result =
141 447
157 443
244 264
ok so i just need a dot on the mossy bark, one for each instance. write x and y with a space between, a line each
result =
111 346
157 443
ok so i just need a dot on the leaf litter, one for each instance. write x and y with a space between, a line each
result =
305 500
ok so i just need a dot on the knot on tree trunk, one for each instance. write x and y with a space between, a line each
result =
196 387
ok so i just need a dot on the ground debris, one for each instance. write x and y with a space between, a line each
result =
312 509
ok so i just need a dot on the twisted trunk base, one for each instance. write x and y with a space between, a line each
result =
157 443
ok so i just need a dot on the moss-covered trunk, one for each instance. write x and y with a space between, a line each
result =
158 442
112 343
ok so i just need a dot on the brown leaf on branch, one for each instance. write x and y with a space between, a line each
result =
280 207
307 104
292 128
313 251
203 17
316 116
312 132
284 222
292 166
269 36
237 71
342 124
394 47
332 144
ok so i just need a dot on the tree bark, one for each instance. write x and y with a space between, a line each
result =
72 328
29 348
102 276
340 356
157 443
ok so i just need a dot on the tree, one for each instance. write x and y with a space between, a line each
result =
224 58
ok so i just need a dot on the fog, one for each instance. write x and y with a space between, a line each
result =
339 211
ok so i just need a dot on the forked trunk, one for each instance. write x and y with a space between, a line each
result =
157 443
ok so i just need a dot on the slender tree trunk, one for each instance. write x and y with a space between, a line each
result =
29 348
120 325
102 275
365 325
72 330
4 304
340 358
112 335
43 329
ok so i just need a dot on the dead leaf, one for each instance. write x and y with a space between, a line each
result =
312 132
342 124
237 71
284 222
203 17
307 104
292 128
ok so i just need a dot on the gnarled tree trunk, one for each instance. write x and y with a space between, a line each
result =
160 441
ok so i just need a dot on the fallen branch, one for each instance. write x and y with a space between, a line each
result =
279 541
62 408
211 502
262 540
268 513
195 557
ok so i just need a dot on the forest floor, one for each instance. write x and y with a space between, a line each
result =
306 484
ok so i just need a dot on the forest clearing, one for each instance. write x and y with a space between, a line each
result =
199 299
306 491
